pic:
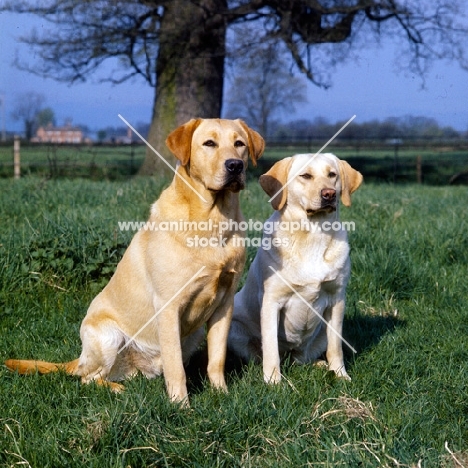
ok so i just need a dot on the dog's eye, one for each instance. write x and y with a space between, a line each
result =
306 176
238 144
331 174
209 143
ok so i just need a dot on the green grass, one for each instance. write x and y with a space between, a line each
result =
376 160
406 316
90 161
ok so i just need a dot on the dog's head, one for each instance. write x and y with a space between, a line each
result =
215 151
313 183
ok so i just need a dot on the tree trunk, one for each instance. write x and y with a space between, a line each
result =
190 73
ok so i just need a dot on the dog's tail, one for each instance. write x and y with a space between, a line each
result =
23 366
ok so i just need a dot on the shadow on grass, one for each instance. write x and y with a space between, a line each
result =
196 369
363 332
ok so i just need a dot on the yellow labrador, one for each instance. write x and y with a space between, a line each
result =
299 283
151 315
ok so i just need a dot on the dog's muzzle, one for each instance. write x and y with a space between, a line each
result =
234 177
327 202
234 167
328 197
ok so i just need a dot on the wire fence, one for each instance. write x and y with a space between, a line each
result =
89 161
421 161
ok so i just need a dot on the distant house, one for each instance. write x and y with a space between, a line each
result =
66 134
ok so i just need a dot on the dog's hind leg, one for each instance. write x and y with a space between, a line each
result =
99 360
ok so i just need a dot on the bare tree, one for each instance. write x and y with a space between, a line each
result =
27 107
179 46
263 87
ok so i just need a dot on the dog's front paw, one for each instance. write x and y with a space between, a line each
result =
342 374
178 394
182 402
218 382
272 376
180 399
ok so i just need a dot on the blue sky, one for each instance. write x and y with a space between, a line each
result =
368 86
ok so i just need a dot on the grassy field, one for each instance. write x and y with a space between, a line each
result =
90 161
376 160
407 316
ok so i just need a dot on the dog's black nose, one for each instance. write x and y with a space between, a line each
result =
234 166
328 194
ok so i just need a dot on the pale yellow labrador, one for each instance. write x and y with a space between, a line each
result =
297 280
151 315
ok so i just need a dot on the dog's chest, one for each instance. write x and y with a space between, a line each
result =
311 292
302 310
211 290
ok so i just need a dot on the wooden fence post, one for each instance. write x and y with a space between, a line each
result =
16 157
418 169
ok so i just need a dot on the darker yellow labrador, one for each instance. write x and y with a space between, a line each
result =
151 315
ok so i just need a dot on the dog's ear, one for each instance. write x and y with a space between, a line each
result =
350 181
179 141
274 180
256 142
